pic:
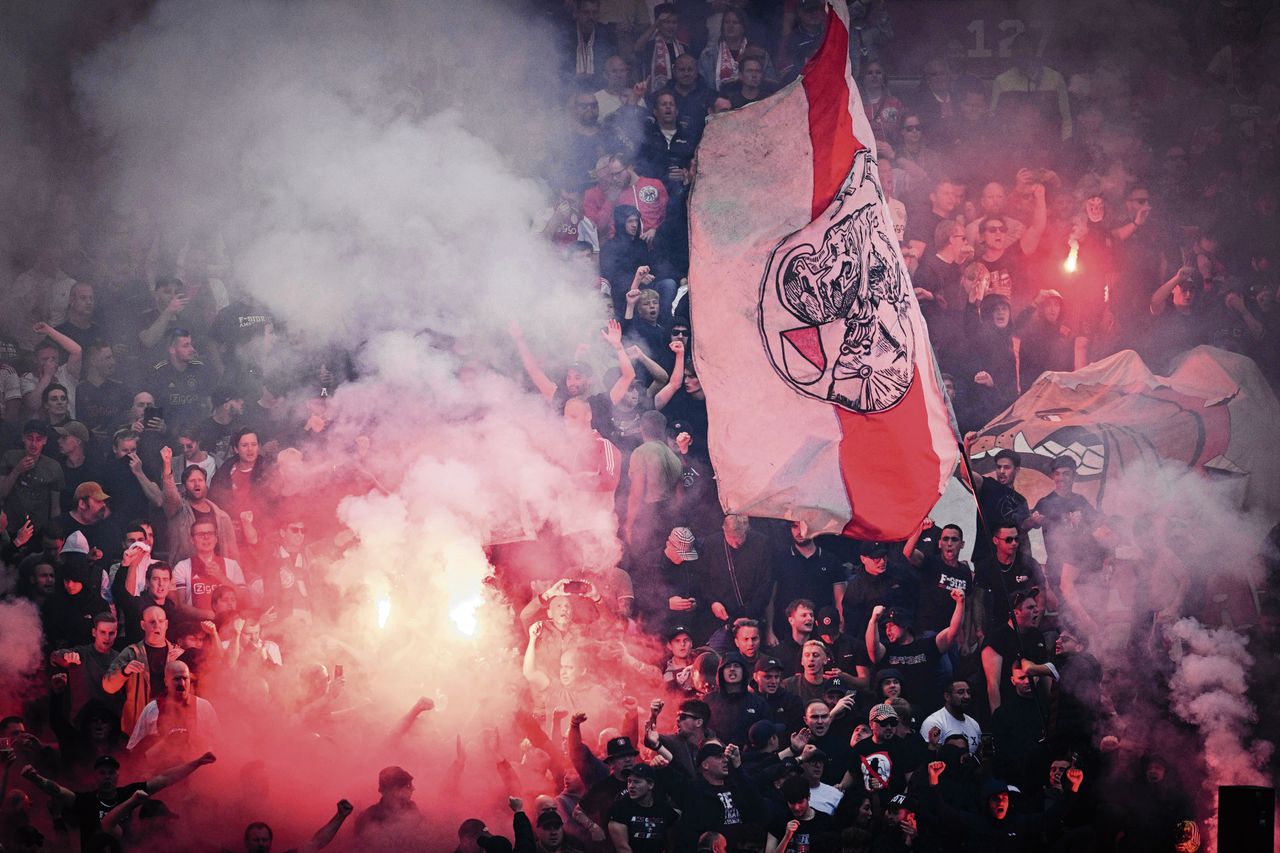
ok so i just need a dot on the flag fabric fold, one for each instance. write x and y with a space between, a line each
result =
824 398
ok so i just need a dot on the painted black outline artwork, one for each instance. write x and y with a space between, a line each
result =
842 279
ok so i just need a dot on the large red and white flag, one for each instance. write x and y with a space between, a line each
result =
824 398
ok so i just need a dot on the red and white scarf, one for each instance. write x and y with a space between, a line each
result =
726 65
664 59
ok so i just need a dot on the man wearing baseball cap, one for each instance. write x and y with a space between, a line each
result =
87 512
785 707
915 658
882 761
641 820
720 798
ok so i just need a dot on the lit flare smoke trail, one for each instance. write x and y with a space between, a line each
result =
1208 691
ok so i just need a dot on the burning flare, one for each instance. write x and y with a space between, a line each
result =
1071 263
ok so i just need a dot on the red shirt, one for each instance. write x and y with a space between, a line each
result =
647 195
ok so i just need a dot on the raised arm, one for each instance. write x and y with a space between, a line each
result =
874 647
68 344
1039 219
1160 299
677 377
540 380
174 775
909 547
51 788
326 833
613 336
947 636
112 819
992 664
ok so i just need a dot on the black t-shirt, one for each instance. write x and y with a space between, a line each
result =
818 834
917 662
1062 541
157 660
648 827
1010 646
937 579
891 761
997 504
805 577
90 809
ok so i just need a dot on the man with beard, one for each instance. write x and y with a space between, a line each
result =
91 806
183 512
178 720
86 515
395 815
883 762
951 720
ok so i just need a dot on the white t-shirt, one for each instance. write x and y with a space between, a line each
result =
824 798
208 727
951 726
182 577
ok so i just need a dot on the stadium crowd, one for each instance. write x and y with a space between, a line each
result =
803 694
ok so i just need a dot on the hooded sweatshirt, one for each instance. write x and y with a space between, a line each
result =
734 709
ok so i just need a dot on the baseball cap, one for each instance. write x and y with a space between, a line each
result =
709 750
837 685
681 539
222 394
154 809
549 819
882 713
760 732
105 761
764 664
897 617
471 827
675 631
74 428
643 771
875 549
33 425
828 620
393 777
90 489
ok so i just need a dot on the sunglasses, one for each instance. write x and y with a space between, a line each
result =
679 333
1008 540
998 230
683 716
297 528
887 721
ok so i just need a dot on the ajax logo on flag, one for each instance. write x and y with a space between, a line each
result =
835 302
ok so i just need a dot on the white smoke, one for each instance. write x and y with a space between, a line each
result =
19 654
368 167
1208 689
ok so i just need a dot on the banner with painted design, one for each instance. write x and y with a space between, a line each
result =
824 399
